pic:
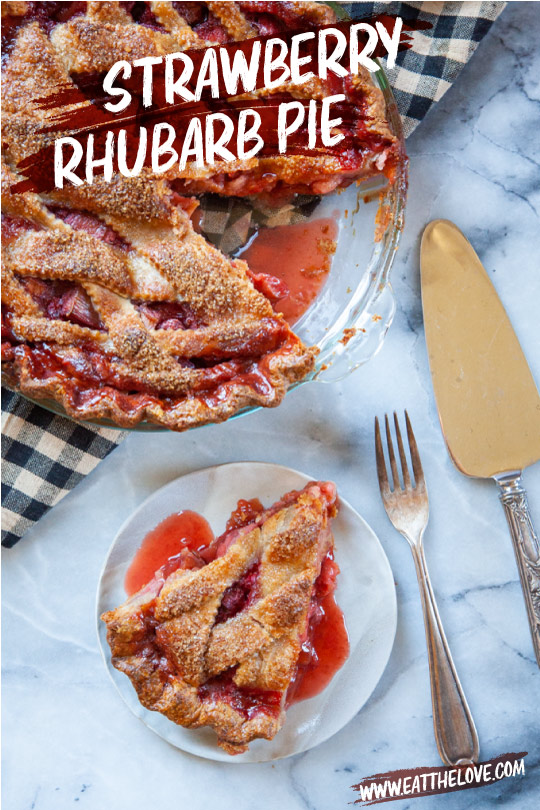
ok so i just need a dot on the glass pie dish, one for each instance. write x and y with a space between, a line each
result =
350 316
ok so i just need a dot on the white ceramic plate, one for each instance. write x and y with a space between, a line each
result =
365 593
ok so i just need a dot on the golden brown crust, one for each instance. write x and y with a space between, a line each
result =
111 12
184 36
15 8
260 645
235 23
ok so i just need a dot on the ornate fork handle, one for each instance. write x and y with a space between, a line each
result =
526 548
454 727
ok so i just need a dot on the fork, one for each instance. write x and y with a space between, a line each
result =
407 507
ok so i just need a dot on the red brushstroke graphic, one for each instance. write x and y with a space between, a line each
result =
417 782
78 110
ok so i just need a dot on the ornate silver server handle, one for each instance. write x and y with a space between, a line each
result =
526 547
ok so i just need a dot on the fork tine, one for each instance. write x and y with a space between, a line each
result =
381 465
391 455
415 455
402 456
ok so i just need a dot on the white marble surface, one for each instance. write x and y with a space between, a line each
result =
67 735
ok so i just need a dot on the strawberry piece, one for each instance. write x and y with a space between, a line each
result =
273 288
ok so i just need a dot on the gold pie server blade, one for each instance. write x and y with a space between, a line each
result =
488 402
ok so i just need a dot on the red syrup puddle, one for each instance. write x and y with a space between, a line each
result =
182 540
298 255
326 647
163 545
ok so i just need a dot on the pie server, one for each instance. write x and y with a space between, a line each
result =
488 403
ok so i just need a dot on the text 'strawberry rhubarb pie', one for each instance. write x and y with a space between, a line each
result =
113 306
225 640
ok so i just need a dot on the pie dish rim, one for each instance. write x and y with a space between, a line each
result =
201 742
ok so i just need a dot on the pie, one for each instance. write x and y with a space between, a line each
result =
113 305
217 642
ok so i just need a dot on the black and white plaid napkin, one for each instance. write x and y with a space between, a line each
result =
423 74
45 456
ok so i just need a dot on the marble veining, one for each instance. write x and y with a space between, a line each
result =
67 735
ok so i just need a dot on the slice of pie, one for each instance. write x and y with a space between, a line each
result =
113 306
217 642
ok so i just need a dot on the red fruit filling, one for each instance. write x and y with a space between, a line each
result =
245 513
166 315
46 14
265 24
142 14
64 301
192 12
87 373
13 227
272 16
212 30
83 221
248 702
239 595
149 647
273 288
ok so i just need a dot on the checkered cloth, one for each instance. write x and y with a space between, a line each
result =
423 74
44 456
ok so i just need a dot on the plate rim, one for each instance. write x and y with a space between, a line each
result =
393 612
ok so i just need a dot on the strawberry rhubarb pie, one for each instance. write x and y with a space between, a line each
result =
113 305
229 634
